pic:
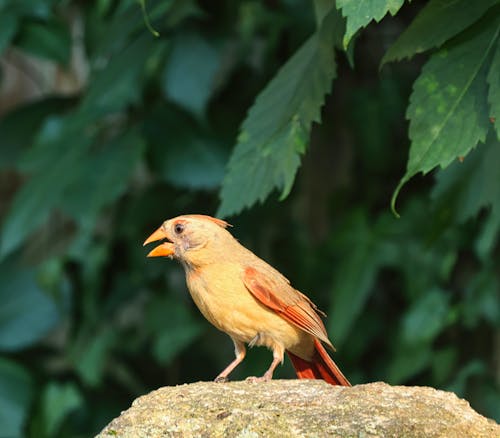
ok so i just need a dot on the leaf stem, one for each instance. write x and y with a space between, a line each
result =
142 3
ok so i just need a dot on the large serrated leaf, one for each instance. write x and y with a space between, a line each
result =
448 111
360 12
494 90
436 23
276 130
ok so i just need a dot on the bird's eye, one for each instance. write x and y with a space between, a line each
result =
178 228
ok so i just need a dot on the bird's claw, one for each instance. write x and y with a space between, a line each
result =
255 379
221 379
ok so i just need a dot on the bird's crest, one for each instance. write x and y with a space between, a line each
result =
221 223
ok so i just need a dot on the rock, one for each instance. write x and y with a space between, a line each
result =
299 408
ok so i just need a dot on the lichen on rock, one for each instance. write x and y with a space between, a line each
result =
299 408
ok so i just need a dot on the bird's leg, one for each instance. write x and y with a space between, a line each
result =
239 352
278 353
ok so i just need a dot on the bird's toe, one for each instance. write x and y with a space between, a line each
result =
255 379
221 379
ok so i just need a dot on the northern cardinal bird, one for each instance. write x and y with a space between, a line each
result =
246 298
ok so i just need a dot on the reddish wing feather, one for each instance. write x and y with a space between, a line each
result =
289 304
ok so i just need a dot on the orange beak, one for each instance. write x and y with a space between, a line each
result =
165 249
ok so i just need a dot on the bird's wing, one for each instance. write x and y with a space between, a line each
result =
289 303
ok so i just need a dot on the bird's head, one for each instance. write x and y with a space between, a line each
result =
186 235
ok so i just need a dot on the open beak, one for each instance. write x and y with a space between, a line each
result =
165 249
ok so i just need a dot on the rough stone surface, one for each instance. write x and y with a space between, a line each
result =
299 408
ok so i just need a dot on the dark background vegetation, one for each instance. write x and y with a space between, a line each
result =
107 130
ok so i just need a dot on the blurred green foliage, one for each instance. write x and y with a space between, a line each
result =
228 100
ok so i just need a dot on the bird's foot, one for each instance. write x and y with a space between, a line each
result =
255 379
221 379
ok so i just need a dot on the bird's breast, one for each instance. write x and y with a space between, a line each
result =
221 296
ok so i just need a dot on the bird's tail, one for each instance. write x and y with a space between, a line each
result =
321 367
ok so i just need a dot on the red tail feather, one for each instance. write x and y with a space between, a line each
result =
321 367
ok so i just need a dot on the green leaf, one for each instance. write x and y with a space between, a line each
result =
204 173
190 75
360 12
473 184
373 112
27 313
145 16
487 239
172 325
59 400
118 83
8 26
407 361
90 355
50 40
444 361
18 128
38 9
362 255
168 345
481 300
426 318
108 30
437 22
354 278
54 165
275 133
16 393
101 177
172 158
448 111
178 11
474 367
52 139
321 10
494 91
489 398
